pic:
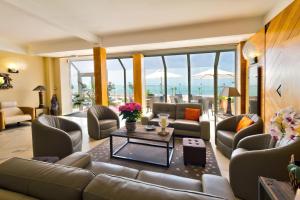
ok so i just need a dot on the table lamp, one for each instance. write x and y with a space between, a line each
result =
229 92
41 90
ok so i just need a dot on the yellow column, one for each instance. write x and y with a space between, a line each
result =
138 61
100 73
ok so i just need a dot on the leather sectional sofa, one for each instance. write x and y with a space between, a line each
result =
77 177
182 127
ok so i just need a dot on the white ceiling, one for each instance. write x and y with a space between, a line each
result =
30 23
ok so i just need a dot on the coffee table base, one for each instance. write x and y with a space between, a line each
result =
148 143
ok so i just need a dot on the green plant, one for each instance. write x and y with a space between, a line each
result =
78 100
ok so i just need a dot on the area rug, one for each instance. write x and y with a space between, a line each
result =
177 167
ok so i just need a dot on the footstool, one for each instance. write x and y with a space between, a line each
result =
194 151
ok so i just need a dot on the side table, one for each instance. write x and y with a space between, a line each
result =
45 110
269 188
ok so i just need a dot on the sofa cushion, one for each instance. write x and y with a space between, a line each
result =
120 188
78 159
17 118
43 180
155 122
118 170
187 125
8 104
226 137
192 114
168 108
180 109
217 185
9 195
169 180
244 123
107 123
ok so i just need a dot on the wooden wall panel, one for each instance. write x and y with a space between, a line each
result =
278 51
283 61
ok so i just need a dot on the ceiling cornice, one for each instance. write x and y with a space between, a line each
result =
33 8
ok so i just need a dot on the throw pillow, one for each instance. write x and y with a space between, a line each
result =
244 123
192 114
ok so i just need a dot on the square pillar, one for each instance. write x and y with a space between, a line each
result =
100 73
138 83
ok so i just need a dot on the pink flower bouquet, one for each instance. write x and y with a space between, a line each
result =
130 111
285 123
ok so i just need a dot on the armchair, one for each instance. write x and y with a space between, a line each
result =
101 122
255 157
10 113
55 136
227 138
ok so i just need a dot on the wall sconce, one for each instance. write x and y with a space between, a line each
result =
250 53
12 68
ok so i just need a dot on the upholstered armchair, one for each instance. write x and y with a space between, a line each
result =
55 136
255 157
10 113
226 136
101 122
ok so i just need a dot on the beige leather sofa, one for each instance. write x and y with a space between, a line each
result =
101 121
10 113
227 138
76 178
256 156
55 136
182 127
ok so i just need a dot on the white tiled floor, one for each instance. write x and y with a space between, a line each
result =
16 142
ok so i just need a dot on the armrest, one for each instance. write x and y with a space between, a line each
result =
2 121
68 125
205 130
29 111
217 185
255 142
146 118
228 124
78 159
251 130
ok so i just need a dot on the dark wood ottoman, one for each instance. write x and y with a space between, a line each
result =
194 151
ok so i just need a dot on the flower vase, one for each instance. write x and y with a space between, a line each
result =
130 126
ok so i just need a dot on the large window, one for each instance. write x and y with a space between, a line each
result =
128 65
190 78
177 81
120 81
82 84
226 78
154 79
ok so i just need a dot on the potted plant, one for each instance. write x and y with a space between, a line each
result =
131 112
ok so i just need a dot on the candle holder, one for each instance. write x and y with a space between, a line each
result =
163 123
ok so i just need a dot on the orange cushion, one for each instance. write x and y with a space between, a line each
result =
244 123
192 114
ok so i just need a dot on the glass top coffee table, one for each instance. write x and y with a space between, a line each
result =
144 146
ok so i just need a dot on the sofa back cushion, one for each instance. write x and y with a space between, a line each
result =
10 108
119 188
43 180
180 109
168 108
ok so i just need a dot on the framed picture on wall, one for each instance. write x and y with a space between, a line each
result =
5 81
